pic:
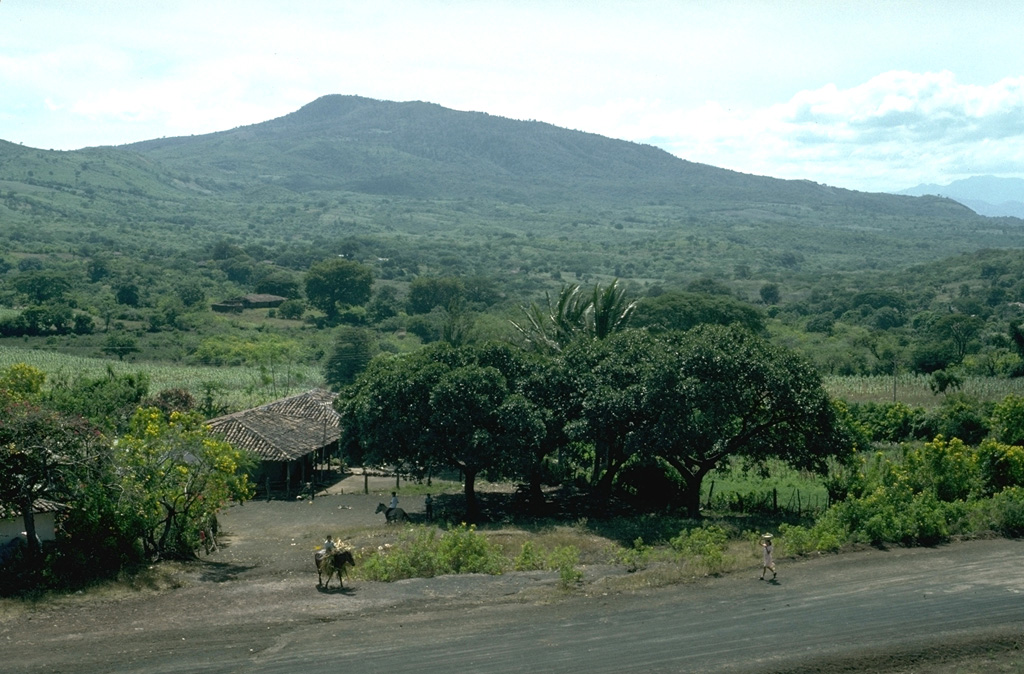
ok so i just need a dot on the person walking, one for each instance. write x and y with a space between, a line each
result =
768 562
428 505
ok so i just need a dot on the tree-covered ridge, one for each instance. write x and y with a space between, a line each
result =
122 252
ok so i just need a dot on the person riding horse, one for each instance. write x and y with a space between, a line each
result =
329 560
392 515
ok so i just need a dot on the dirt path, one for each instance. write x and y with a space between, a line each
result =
253 606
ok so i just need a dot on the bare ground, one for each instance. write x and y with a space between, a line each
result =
259 588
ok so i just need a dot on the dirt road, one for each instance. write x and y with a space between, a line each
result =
253 606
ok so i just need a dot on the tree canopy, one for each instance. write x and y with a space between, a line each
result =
690 400
337 282
445 407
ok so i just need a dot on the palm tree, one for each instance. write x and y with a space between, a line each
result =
575 313
609 311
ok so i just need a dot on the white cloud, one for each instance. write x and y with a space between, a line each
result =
898 127
877 105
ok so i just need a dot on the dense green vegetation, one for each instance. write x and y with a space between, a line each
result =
140 479
543 285
457 220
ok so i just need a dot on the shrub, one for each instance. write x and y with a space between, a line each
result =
565 559
1000 466
420 553
529 559
463 550
1005 512
706 542
636 557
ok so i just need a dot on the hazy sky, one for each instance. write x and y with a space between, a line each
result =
867 95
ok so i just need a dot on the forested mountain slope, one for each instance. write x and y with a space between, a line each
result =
112 246
556 199
349 143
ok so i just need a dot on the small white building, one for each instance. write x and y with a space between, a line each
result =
45 519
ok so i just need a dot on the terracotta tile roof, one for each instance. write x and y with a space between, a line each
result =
285 429
40 505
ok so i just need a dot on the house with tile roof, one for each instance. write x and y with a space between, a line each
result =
12 525
290 437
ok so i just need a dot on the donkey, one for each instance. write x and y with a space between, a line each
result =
331 564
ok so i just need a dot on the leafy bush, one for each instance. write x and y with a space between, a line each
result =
565 559
706 542
824 536
529 558
462 550
421 553
1000 466
1005 512
636 557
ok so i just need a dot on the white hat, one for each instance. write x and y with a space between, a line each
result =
767 536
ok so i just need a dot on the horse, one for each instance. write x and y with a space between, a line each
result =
331 564
391 515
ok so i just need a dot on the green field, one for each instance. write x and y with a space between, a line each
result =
237 387
914 390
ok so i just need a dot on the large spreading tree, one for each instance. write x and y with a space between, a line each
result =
445 407
695 399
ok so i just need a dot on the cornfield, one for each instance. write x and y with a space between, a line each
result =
915 390
236 387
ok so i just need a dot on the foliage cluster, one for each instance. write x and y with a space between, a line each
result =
921 494
449 222
607 413
421 553
131 490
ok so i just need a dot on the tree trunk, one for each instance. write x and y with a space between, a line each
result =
472 507
30 529
692 495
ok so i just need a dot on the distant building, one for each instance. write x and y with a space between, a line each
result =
251 301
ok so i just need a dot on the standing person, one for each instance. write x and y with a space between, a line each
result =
394 500
428 506
768 563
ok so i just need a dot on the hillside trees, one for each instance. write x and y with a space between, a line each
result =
427 292
678 310
353 349
335 283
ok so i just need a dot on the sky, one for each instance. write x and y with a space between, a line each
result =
867 95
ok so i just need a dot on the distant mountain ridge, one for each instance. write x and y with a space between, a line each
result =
985 195
421 149
414 176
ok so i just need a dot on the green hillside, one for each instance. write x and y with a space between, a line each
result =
121 251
